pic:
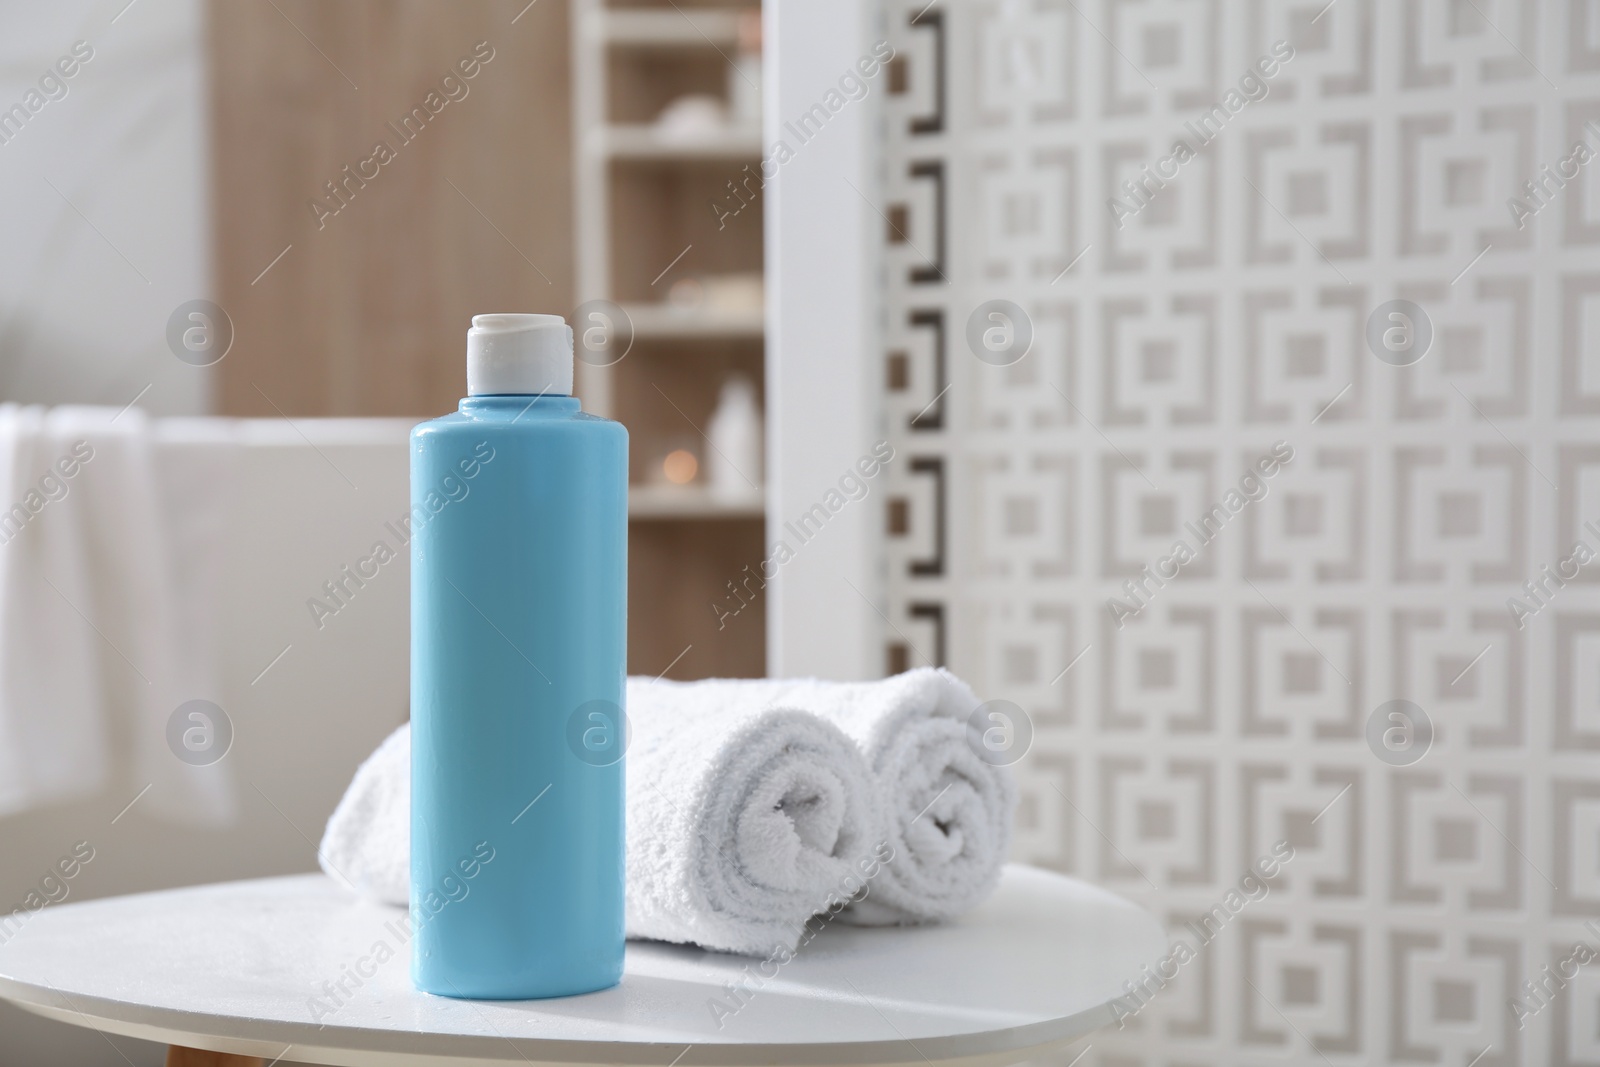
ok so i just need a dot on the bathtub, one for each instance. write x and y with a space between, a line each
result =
309 694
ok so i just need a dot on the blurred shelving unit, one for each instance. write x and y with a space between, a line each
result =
665 102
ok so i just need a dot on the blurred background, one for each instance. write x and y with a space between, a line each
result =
217 151
1342 347
214 152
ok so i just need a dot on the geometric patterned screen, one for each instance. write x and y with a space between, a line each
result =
1243 372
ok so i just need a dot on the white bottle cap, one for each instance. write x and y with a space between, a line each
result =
520 354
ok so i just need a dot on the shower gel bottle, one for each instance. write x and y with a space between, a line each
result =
519 517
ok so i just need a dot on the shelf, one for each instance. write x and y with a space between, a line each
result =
644 172
663 321
670 29
691 502
618 141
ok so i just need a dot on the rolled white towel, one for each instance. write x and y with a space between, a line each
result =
742 823
949 811
367 842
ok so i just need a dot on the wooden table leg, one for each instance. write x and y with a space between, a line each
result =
178 1056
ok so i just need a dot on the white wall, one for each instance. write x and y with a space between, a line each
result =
823 321
91 269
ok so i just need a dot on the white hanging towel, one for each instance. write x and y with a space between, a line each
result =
97 651
54 745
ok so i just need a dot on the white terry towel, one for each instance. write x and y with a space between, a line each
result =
948 812
367 842
95 653
53 726
742 823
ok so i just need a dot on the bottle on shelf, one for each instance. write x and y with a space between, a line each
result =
733 464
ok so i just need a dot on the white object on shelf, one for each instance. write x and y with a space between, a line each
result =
242 968
733 462
692 117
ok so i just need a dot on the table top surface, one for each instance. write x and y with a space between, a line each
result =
296 967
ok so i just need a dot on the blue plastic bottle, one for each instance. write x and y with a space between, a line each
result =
518 622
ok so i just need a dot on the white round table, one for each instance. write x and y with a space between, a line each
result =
296 968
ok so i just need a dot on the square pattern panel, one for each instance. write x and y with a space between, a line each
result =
1261 576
